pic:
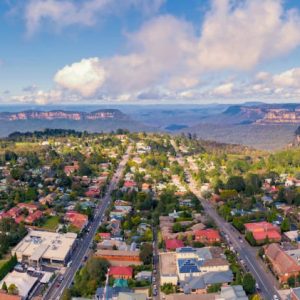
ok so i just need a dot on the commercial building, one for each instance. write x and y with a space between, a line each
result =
45 248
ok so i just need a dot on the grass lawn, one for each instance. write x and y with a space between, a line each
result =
51 223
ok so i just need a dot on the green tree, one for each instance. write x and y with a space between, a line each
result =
146 253
250 238
249 283
4 286
238 223
66 295
236 183
177 227
13 289
291 281
285 225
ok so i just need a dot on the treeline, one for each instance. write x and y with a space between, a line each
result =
8 266
48 132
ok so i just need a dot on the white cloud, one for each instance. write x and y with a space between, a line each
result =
240 34
63 13
225 89
289 78
172 55
84 77
39 97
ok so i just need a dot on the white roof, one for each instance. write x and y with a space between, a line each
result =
49 245
23 281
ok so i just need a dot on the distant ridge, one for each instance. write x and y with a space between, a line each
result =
102 120
102 114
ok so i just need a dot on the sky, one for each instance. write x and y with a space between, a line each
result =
149 51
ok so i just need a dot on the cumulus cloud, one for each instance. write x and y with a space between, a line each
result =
40 97
289 79
173 54
225 89
240 34
63 13
84 77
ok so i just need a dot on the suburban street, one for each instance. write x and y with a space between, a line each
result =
265 279
84 245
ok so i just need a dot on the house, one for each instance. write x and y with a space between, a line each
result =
120 257
28 206
131 296
262 231
78 220
283 265
93 192
199 284
49 199
24 282
291 236
69 170
207 236
33 217
110 293
144 275
172 245
234 292
121 272
104 235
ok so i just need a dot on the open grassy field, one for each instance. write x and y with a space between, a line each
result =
51 223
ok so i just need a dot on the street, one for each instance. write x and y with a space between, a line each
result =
84 245
266 280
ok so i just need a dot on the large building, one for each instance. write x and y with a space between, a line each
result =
120 257
284 264
45 248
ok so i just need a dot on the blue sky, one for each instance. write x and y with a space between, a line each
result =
156 51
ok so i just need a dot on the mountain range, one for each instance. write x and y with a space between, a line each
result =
260 125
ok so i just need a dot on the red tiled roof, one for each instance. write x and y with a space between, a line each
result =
260 226
34 217
281 261
129 184
76 219
209 234
105 235
121 271
173 244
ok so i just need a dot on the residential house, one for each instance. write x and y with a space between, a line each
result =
234 292
283 265
121 272
262 231
207 236
78 220
173 244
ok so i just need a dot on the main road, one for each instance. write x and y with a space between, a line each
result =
265 279
85 244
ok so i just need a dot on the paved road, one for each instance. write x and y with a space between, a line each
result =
265 280
84 245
